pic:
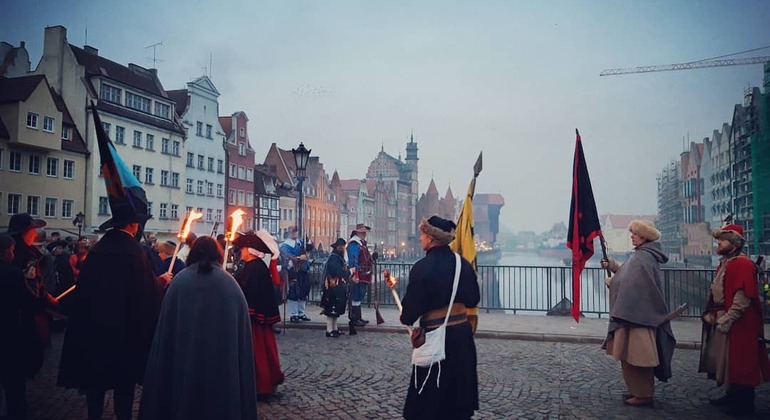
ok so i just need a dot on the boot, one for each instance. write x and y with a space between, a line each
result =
355 319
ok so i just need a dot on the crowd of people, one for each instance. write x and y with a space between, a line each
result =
199 332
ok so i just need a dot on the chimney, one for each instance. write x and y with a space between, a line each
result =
22 44
91 50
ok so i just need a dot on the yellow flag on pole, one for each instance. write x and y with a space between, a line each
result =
464 244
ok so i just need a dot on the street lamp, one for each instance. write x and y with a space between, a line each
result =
78 221
301 156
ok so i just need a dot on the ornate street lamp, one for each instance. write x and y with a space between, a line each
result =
301 156
80 218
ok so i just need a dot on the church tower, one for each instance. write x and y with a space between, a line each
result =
412 177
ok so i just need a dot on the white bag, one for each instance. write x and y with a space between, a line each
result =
434 351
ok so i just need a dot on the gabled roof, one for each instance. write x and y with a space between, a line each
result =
449 195
182 99
227 125
350 184
18 89
432 190
135 76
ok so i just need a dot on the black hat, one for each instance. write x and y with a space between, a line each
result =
22 222
339 242
124 216
442 230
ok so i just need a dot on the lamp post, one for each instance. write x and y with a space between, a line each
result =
78 221
301 156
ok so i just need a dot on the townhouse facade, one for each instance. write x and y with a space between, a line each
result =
239 161
204 176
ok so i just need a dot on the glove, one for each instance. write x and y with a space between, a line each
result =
607 281
724 324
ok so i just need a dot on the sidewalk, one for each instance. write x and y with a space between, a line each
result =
515 327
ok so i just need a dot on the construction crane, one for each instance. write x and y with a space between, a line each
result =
700 64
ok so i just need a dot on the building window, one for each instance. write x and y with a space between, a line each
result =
32 120
209 188
65 133
163 210
137 138
188 209
242 132
220 166
52 167
199 128
200 162
190 159
49 124
241 198
211 164
68 171
219 215
175 148
120 134
208 131
189 187
231 196
2 158
66 208
175 179
162 110
34 164
110 93
242 149
138 102
149 207
104 205
241 172
163 178
14 204
219 190
200 188
106 127
209 215
233 170
150 143
165 145
148 172
249 199
15 164
137 171
175 211
249 174
50 207
33 205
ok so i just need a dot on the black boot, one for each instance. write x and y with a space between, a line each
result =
356 316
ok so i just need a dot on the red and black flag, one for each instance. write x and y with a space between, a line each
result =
583 223
128 201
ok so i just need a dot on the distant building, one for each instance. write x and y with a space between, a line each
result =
670 213
239 160
615 231
715 169
486 214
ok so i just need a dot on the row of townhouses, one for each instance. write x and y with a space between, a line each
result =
186 156
724 177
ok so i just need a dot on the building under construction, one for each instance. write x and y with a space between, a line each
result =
670 214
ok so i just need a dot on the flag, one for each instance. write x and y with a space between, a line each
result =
464 244
126 196
583 223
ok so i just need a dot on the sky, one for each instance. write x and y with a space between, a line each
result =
510 78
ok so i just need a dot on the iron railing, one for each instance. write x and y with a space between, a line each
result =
537 289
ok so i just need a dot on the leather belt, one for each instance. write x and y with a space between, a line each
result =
435 318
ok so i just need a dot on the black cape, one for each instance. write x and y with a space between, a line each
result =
257 285
112 316
21 351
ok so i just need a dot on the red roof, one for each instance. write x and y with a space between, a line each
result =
227 125
350 184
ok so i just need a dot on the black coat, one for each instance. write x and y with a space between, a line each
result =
257 285
334 299
430 287
113 314
21 349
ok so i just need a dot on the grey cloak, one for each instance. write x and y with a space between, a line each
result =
201 365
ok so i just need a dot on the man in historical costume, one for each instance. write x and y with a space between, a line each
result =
732 326
334 298
451 391
294 261
256 281
112 317
360 263
166 254
201 365
639 332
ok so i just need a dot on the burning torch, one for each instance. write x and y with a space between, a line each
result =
392 282
183 233
236 218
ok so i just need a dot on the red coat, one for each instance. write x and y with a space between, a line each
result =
748 361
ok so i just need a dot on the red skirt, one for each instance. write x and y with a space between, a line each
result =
266 362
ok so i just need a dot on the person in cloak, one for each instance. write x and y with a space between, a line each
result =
296 264
334 298
112 317
201 363
732 323
450 392
639 334
166 254
256 279
361 264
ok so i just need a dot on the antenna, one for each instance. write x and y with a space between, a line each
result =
154 58
86 43
211 60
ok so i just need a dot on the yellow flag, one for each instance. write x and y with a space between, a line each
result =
464 244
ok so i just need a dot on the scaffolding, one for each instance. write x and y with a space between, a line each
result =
670 212
760 167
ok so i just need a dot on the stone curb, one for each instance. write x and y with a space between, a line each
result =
499 335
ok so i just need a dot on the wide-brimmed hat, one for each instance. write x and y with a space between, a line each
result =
339 242
645 229
124 217
22 222
362 228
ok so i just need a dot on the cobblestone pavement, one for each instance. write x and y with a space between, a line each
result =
366 377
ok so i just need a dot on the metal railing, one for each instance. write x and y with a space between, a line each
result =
524 289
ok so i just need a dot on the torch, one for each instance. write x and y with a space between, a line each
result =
391 281
236 219
183 233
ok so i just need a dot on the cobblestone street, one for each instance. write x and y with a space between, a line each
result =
365 377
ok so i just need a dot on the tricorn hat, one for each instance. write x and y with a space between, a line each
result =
22 222
339 242
124 215
361 228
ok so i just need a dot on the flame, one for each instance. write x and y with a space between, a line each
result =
192 217
237 216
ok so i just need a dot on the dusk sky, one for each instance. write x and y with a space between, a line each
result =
510 78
